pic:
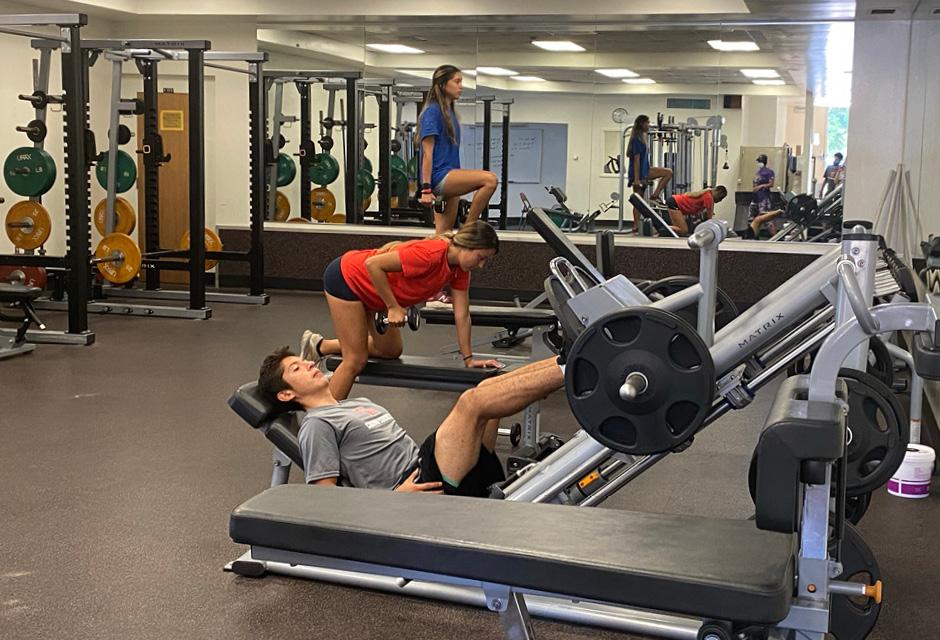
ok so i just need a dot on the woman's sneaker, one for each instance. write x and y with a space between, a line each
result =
308 346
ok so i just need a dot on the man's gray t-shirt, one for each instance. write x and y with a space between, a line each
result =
358 442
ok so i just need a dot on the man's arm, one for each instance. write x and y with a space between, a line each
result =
325 482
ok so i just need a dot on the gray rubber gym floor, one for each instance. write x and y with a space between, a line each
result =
120 463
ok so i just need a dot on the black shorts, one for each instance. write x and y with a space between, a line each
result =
476 484
671 203
335 284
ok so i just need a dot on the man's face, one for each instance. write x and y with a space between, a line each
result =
303 378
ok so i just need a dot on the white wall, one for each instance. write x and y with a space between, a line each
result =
759 121
922 143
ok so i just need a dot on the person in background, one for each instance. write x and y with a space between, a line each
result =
639 171
833 176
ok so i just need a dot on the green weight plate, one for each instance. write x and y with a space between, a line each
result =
399 183
366 164
413 167
365 185
397 162
126 171
29 172
286 170
324 169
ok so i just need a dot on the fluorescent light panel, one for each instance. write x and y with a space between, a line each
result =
527 78
769 83
497 71
415 72
760 73
639 81
557 45
468 72
393 48
733 45
617 73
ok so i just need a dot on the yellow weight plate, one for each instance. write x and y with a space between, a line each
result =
125 219
281 208
125 264
322 203
212 242
365 204
337 218
299 221
28 225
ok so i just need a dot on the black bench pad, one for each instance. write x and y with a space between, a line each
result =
723 569
412 371
506 317
18 293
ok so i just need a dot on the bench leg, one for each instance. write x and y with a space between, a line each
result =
513 613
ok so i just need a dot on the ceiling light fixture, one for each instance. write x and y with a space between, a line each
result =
393 48
558 45
733 45
639 81
617 73
769 83
527 78
496 71
760 73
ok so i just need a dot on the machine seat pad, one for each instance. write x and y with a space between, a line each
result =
18 293
483 316
722 569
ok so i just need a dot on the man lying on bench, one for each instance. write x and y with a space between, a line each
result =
358 443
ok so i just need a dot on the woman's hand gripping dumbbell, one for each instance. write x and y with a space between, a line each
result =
397 317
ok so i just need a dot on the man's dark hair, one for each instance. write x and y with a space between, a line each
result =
720 191
839 155
271 377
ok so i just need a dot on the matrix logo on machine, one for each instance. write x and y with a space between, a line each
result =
760 331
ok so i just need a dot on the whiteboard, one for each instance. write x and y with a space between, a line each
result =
525 151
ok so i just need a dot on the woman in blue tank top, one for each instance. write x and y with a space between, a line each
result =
639 171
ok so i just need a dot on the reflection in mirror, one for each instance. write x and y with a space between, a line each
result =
793 89
312 78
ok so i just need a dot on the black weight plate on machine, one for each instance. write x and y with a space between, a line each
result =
725 309
877 432
856 507
672 357
880 362
802 208
854 618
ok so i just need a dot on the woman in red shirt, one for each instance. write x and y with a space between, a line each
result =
391 278
698 206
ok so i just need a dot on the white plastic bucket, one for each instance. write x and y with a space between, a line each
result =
912 479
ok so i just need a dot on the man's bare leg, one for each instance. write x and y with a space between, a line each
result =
458 440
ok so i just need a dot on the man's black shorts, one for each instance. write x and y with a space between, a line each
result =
488 471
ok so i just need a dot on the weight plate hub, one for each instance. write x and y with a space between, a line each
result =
673 358
28 225
322 203
854 618
725 309
877 433
126 267
29 172
126 171
24 276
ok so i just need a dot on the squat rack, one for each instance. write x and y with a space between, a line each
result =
74 101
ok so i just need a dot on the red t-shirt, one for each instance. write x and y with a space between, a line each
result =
424 272
692 206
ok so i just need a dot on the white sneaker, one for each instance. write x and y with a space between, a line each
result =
308 346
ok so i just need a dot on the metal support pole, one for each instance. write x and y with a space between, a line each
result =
504 174
197 181
148 71
385 154
861 249
352 151
621 165
810 106
77 187
303 88
117 65
276 120
256 131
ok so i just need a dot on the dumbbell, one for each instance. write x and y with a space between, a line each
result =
412 319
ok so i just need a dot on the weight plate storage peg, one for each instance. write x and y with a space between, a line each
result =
125 219
281 207
28 225
126 171
212 242
877 433
851 618
324 169
322 203
24 276
29 172
640 380
118 258
286 170
36 130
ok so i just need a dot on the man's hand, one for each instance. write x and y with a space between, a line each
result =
396 317
473 363
411 486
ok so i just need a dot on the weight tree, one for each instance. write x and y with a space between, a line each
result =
75 263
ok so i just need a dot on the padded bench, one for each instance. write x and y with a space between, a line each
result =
661 225
420 372
505 317
720 569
